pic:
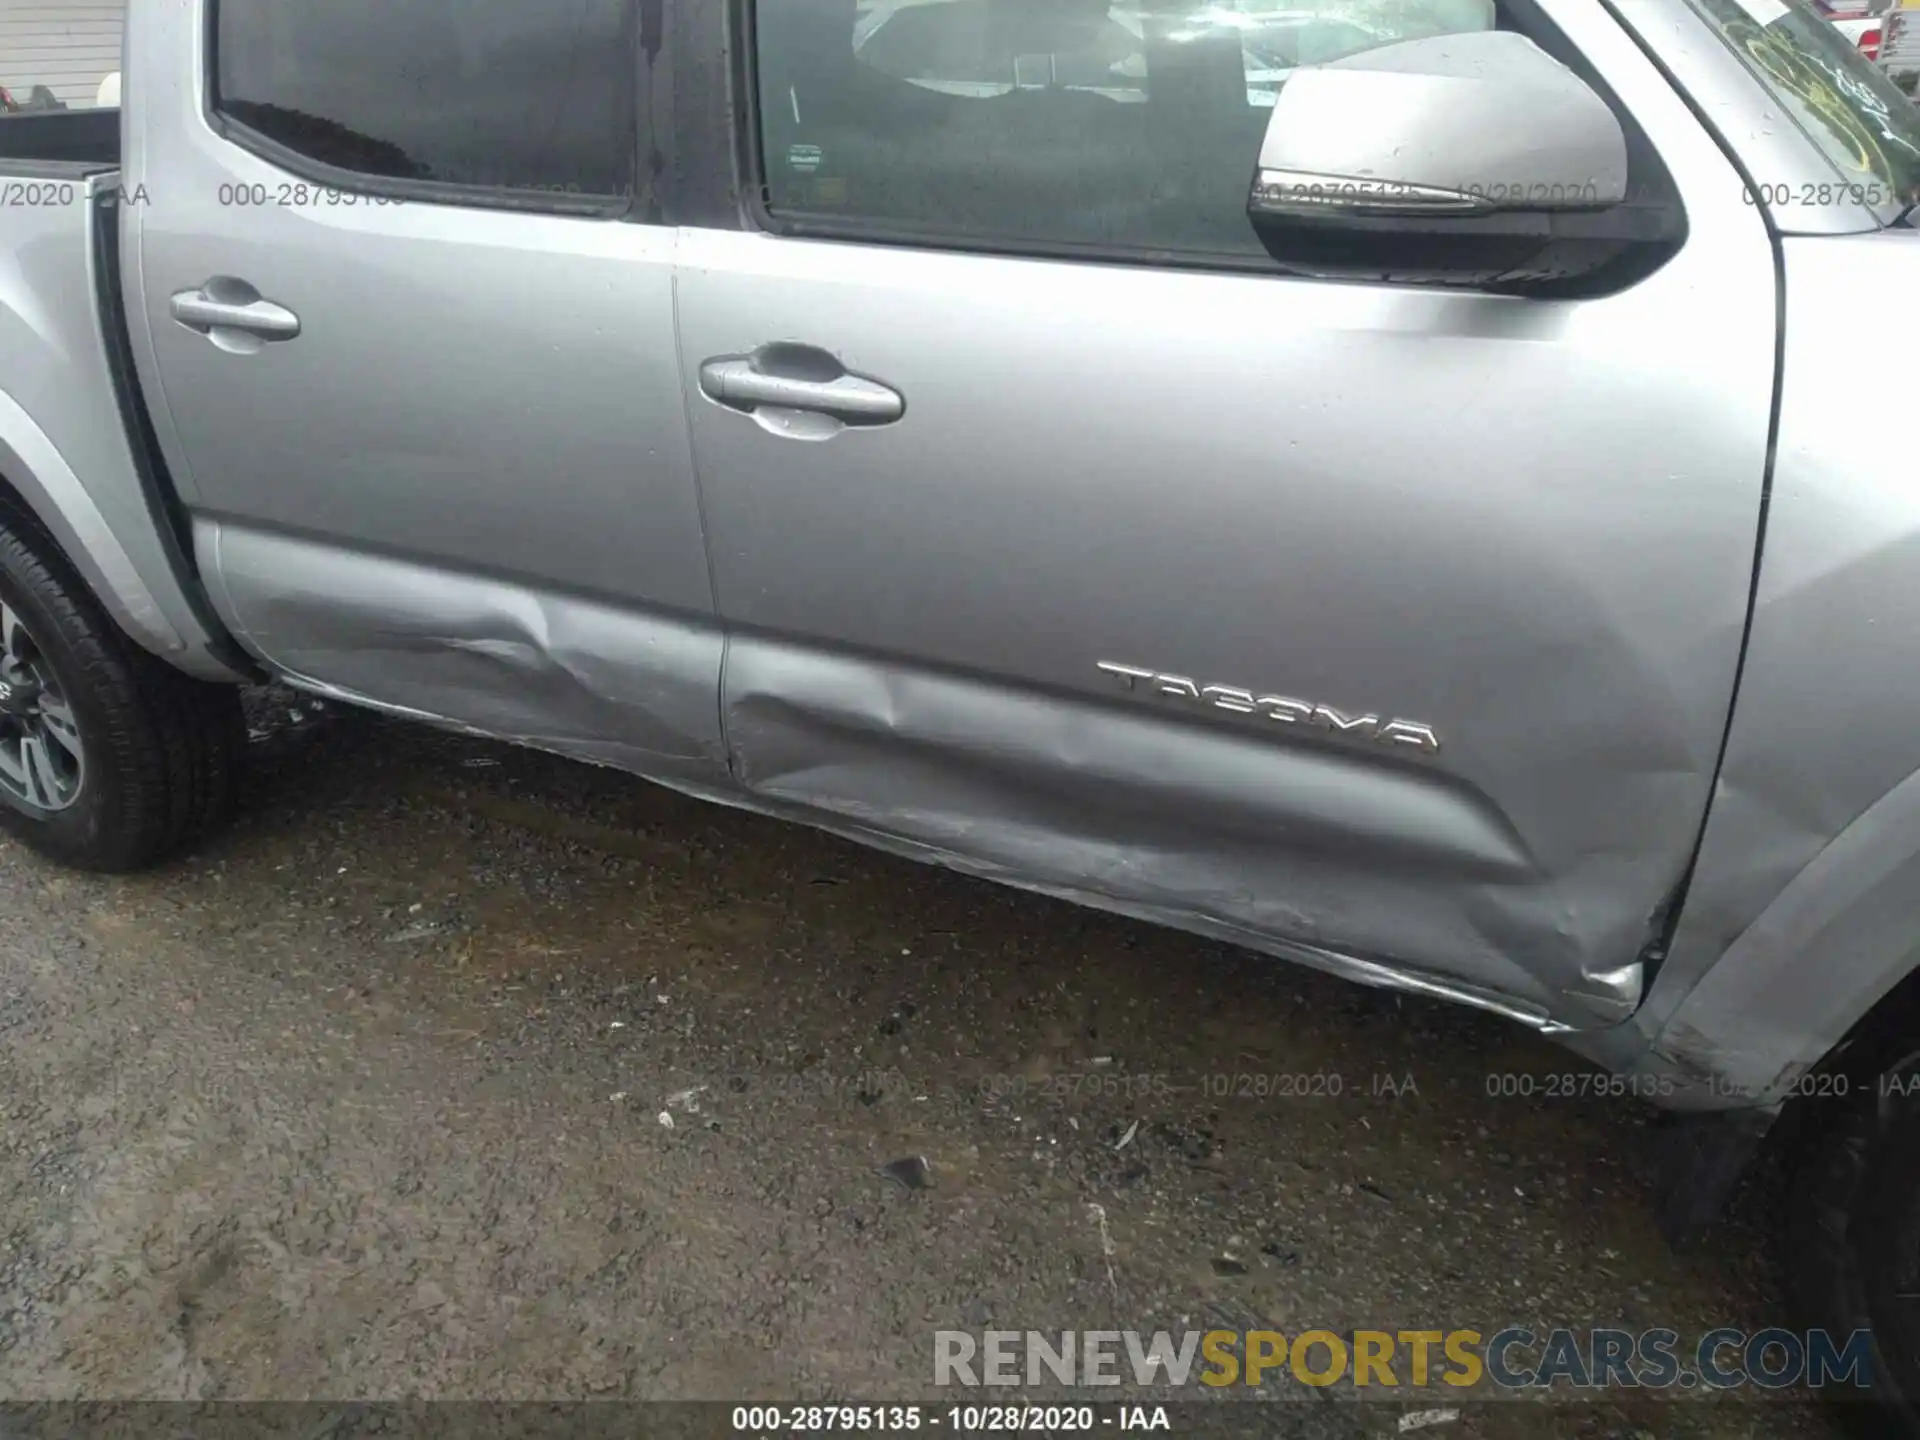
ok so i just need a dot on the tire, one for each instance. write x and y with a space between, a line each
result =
158 756
1852 1245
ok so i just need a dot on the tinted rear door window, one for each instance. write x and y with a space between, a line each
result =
500 95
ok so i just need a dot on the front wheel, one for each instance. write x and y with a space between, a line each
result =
1853 1239
110 759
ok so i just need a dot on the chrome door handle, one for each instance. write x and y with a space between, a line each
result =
740 384
218 307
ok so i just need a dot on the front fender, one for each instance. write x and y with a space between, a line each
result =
1842 934
1803 910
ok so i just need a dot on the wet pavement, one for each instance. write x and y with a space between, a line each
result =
458 1071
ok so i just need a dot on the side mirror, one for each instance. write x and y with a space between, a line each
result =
1465 159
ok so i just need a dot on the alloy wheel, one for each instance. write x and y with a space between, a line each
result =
42 761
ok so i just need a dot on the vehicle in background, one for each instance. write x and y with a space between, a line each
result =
1899 50
946 46
1864 32
1412 520
1861 21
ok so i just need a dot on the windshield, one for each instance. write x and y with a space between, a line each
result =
1845 103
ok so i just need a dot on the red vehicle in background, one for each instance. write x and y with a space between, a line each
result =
1858 20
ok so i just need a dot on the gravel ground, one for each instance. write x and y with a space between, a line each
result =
462 1072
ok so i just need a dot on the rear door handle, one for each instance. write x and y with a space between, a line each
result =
749 382
223 305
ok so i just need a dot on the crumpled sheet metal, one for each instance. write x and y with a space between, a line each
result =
1804 907
583 678
1281 848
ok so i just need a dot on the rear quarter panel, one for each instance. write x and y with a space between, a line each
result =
64 444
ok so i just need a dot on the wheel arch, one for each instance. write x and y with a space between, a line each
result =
1822 981
37 485
1833 957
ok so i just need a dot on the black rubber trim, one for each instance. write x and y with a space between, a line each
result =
77 172
85 137
652 101
703 173
168 514
1700 1160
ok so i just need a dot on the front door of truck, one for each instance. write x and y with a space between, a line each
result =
1389 627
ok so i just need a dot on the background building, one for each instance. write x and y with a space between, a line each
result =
69 46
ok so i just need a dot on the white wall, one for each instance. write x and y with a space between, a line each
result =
67 45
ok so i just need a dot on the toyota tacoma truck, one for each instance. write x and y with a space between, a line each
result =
1403 511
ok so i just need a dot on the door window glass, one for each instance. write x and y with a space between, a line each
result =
502 95
1061 121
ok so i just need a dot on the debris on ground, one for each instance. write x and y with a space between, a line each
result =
912 1171
249 1152
687 1099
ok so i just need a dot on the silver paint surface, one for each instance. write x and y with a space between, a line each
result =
1802 912
483 486
1449 122
463 488
583 678
1514 520
475 390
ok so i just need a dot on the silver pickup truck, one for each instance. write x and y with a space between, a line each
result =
1382 484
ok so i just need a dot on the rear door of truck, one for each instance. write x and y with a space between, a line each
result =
408 319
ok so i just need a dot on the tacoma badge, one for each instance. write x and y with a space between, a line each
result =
1277 708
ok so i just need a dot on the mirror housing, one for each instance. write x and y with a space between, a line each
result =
1473 159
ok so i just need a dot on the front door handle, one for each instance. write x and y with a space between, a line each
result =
224 308
792 377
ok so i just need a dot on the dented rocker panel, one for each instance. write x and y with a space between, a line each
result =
574 675
1146 813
